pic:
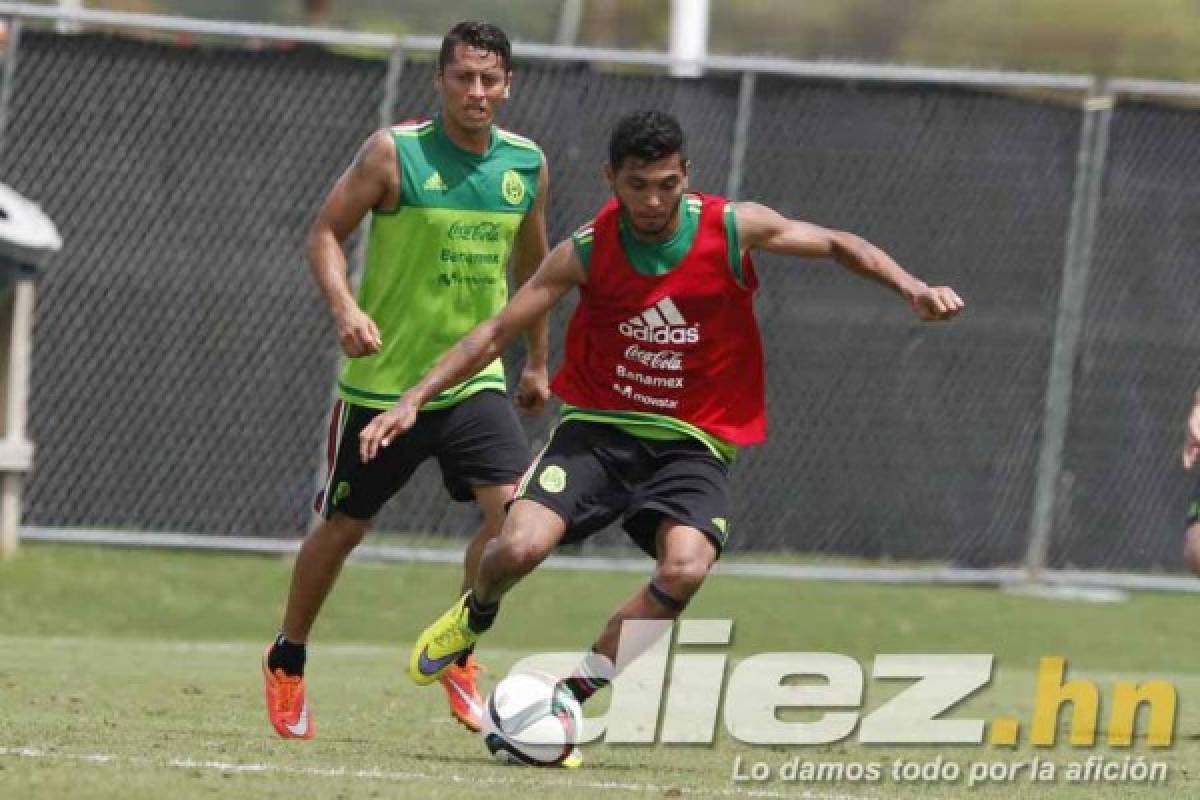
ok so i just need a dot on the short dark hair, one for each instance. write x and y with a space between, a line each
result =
481 35
645 135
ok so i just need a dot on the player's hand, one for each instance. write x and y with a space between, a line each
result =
357 334
937 303
533 391
382 431
1191 445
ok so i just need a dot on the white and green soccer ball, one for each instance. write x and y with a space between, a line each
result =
524 724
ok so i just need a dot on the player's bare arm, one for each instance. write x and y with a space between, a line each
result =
529 250
760 227
1191 443
558 274
371 181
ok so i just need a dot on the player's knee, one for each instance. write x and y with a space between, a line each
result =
681 577
522 549
1191 548
343 532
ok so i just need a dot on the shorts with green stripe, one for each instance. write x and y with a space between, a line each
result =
477 442
593 474
1193 510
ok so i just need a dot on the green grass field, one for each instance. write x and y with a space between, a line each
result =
134 674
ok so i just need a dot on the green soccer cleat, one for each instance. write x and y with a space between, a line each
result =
574 760
441 644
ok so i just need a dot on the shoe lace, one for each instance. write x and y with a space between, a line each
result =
450 635
289 690
446 638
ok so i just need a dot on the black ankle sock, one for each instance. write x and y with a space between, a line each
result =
287 656
583 688
462 660
480 616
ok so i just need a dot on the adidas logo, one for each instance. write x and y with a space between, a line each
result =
661 324
434 183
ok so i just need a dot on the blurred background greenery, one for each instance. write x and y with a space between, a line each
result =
1134 38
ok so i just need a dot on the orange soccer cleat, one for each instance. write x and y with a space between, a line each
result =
463 694
287 707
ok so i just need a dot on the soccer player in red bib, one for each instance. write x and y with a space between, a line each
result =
662 382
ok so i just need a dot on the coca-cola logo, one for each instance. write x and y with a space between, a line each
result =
473 231
671 360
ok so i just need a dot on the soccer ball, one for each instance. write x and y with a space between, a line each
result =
524 724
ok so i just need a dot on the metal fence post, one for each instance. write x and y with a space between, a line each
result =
18 316
570 17
1093 147
355 265
741 134
395 69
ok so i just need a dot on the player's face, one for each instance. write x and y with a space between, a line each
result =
473 86
649 193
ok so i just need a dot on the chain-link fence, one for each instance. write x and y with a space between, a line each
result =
181 352
909 440
1123 492
183 359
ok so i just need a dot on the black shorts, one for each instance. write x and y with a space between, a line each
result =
1193 511
478 442
592 474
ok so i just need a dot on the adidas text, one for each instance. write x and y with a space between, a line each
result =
661 335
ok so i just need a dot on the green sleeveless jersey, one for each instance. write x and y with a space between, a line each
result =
437 264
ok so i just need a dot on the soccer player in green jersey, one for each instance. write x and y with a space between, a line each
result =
1191 454
451 199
